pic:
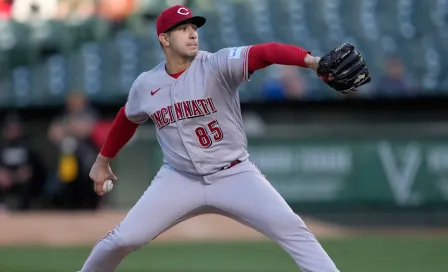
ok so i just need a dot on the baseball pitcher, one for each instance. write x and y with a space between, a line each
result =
192 99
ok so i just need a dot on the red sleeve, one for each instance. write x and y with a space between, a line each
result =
263 55
120 133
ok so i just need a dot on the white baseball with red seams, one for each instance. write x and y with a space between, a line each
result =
107 186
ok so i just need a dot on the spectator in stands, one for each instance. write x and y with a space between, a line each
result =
31 11
116 10
78 110
6 9
284 83
72 133
76 10
394 82
22 173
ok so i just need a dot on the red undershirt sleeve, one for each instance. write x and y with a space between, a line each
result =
263 55
120 133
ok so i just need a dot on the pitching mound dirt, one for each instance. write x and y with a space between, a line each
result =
86 228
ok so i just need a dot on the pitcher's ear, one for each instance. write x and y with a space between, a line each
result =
164 39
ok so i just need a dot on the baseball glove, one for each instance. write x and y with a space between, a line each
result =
343 69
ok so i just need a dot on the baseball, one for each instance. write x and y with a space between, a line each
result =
107 186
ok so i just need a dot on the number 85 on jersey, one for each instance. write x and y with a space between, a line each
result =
209 134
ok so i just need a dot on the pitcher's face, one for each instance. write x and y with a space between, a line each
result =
183 40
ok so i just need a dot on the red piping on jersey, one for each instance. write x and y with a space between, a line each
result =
263 55
259 57
246 73
120 133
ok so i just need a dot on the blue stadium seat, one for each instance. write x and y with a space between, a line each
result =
89 58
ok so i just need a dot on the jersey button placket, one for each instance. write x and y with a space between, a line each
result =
174 99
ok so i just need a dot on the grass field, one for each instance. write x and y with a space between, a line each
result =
367 254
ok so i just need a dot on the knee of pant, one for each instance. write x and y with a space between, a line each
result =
127 241
289 225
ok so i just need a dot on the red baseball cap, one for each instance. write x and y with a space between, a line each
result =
176 15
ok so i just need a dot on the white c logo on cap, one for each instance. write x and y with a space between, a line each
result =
183 11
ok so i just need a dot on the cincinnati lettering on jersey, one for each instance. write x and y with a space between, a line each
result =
182 110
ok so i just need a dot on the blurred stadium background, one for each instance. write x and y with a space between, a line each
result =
368 171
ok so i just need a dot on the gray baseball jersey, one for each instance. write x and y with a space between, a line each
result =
197 116
200 130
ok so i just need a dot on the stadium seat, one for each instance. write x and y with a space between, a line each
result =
49 37
105 62
14 44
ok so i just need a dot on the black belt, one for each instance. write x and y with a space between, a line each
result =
230 165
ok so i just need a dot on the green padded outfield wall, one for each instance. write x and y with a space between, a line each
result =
398 174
